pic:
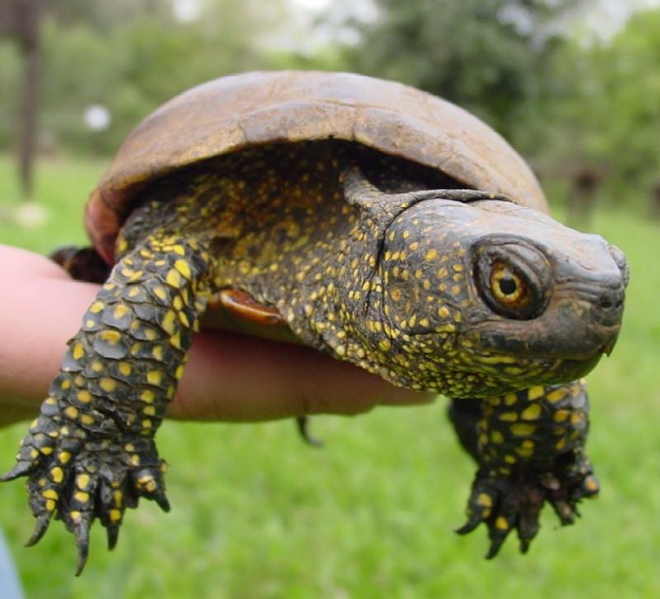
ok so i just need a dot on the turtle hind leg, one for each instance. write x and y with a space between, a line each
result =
302 424
91 453
530 452
465 414
83 264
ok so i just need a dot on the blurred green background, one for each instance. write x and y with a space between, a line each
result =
575 86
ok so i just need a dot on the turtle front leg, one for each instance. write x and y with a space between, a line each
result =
91 453
530 449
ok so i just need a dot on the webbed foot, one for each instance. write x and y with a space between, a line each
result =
78 481
530 449
514 503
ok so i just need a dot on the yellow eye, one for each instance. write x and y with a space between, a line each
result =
507 287
513 279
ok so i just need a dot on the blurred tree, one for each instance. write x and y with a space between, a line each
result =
602 112
129 56
20 20
486 55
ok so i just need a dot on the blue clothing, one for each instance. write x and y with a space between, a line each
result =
10 586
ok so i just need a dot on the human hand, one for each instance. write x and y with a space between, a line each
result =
228 377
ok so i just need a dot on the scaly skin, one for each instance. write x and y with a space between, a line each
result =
530 449
374 260
91 453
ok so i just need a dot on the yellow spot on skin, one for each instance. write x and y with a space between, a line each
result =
56 474
75 516
63 457
168 322
508 416
484 500
45 450
84 396
108 385
87 419
148 483
443 312
501 523
154 377
179 372
533 412
111 337
50 505
497 437
385 344
535 393
160 293
71 412
183 268
146 424
147 396
97 307
149 411
510 399
591 484
78 351
125 368
173 278
115 516
560 415
560 444
81 496
556 396
120 311
82 481
522 430
432 254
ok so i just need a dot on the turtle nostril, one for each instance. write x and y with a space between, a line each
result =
609 306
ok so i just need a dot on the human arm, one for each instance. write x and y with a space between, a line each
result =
228 377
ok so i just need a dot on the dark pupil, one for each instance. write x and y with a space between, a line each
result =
508 286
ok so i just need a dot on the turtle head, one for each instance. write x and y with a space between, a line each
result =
488 296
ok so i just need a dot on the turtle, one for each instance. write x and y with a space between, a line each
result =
364 218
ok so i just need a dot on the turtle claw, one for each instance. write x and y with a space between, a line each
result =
81 534
508 503
21 468
163 502
303 430
39 530
78 481
113 535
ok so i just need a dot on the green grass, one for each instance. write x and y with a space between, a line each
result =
258 515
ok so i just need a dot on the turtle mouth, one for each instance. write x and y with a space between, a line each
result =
579 345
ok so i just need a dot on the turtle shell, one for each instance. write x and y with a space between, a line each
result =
241 111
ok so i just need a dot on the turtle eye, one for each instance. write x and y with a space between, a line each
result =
508 287
512 279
